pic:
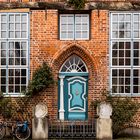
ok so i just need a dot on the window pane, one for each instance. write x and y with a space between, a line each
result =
127 81
11 89
3 61
114 89
3 26
114 81
78 27
63 35
136 17
23 72
23 45
17 17
70 19
11 27
13 52
114 72
3 34
3 72
128 17
3 18
115 17
17 26
3 53
24 27
17 89
23 53
136 26
24 18
17 61
115 34
114 62
17 72
23 34
85 35
3 80
23 80
11 34
121 34
17 35
11 61
127 61
127 89
11 18
114 53
23 61
64 27
11 72
11 80
3 45
136 45
136 34
17 81
3 89
121 17
78 35
85 27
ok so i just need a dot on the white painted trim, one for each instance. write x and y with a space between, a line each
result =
77 77
72 109
68 68
61 110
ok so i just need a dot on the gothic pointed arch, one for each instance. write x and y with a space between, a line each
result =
67 53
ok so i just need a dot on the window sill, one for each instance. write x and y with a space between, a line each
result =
126 95
14 95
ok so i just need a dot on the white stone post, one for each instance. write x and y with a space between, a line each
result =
104 122
61 110
40 122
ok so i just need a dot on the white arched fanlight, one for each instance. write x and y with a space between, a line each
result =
74 64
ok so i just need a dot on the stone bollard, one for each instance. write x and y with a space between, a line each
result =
104 122
40 122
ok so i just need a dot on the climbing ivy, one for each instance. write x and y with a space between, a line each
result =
78 4
42 78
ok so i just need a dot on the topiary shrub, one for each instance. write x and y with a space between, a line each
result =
123 110
78 4
42 78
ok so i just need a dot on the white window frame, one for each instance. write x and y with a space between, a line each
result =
73 66
19 39
131 39
74 27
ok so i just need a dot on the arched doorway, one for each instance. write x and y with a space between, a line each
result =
73 89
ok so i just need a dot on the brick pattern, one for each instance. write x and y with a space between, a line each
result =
46 46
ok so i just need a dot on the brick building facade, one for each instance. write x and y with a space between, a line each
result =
110 54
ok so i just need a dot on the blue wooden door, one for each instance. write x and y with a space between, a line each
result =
75 98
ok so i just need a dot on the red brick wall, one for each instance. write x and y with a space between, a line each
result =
46 46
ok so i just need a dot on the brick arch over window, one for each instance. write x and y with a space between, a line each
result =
65 54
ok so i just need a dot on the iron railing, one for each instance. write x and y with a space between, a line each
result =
72 129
